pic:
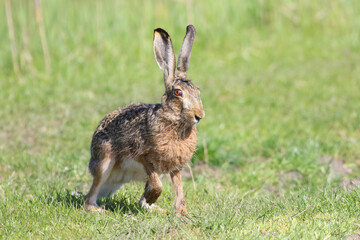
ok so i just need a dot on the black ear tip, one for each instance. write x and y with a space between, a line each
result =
162 32
190 28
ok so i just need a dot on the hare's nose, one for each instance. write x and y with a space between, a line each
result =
197 119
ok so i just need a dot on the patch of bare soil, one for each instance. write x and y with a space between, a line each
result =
338 170
350 183
287 180
352 236
290 179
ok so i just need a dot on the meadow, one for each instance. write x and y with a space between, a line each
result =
278 151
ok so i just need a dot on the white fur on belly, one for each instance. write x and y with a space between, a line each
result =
130 170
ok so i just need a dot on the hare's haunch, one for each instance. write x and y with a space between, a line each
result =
140 142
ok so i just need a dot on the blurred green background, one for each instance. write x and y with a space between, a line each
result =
278 78
279 82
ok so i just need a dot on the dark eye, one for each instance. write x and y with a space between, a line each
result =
177 92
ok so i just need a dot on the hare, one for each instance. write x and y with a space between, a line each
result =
142 141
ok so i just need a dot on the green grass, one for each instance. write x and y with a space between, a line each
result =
279 82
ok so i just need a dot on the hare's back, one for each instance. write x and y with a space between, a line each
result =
126 118
126 128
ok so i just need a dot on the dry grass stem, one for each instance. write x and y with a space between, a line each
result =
299 213
192 176
206 156
12 38
40 23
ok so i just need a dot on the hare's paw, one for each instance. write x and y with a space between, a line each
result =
157 208
181 213
94 208
152 207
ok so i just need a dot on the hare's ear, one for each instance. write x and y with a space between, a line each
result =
185 52
164 55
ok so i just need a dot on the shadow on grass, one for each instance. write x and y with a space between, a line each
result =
122 203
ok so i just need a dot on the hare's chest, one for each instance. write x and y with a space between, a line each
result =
174 154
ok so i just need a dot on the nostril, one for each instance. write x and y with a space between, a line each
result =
197 118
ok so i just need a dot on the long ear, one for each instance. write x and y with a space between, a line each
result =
164 55
185 52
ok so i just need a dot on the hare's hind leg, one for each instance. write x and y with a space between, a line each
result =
101 174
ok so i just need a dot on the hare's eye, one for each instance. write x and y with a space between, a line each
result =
177 92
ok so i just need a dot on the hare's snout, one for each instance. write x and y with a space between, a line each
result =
198 117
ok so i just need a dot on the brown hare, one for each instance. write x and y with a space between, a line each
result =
140 142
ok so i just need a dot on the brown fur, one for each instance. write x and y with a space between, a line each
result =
149 139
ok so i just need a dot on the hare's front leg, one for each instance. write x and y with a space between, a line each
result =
180 206
153 189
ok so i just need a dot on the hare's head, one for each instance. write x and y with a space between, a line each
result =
181 98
